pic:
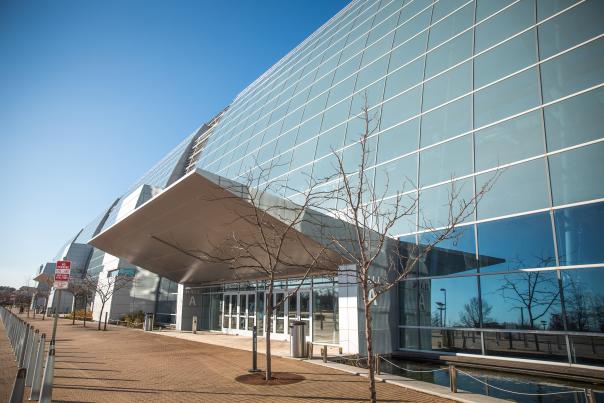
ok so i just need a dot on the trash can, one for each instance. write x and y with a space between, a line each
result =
148 325
297 339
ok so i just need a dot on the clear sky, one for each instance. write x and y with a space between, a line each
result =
93 93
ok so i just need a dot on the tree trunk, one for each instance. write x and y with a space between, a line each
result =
85 308
73 311
369 344
269 312
101 316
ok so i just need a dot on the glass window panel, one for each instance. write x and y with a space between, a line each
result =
304 153
579 234
518 188
308 129
584 299
325 315
447 86
410 28
438 302
508 97
505 59
451 25
398 140
485 8
537 346
435 203
576 175
371 73
446 122
445 161
401 107
455 341
516 243
446 7
378 50
404 78
547 8
454 254
510 141
573 71
340 91
449 54
330 141
575 120
570 28
396 177
406 210
505 24
588 350
521 300
408 51
335 115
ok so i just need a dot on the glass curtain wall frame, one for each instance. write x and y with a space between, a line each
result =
235 307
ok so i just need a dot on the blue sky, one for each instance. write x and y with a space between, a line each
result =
92 94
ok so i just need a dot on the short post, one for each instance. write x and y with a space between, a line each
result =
453 378
36 382
377 364
18 387
309 349
105 326
47 380
324 353
254 350
194 325
590 396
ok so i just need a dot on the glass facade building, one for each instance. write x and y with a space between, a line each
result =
460 91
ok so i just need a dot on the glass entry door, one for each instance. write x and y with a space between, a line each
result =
278 325
239 313
298 308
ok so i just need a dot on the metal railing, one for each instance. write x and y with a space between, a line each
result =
454 372
27 344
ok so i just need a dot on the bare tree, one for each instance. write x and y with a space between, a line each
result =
106 287
369 213
79 288
268 243
471 313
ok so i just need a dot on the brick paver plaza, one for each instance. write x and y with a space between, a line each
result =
124 365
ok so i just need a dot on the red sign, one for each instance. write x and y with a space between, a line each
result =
62 274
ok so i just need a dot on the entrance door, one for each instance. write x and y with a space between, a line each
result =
298 308
279 316
230 314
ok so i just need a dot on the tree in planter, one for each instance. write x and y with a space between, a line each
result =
369 210
105 288
79 288
270 227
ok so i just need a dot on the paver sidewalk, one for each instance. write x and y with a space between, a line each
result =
8 366
125 365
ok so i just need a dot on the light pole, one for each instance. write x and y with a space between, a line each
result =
444 290
441 307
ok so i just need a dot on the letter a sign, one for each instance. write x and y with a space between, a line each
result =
62 274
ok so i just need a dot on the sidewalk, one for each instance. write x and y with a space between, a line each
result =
8 367
126 365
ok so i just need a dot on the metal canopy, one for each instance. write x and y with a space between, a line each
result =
169 234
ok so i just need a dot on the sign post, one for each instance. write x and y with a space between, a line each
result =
61 282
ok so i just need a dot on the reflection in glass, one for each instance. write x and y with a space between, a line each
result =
588 350
455 341
550 347
455 254
517 243
439 302
579 234
584 299
325 315
576 174
575 120
521 300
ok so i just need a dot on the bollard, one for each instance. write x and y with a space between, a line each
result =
324 353
590 396
254 350
105 327
453 378
46 392
31 363
377 364
36 382
19 387
309 349
194 325
24 341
